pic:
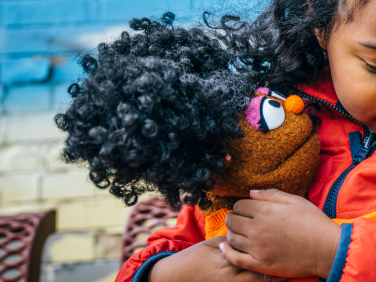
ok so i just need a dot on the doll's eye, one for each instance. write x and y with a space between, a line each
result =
272 114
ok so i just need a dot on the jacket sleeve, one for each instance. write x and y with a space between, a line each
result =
189 230
356 255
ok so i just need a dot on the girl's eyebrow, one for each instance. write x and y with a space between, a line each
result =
368 45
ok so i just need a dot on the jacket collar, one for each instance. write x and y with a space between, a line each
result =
323 89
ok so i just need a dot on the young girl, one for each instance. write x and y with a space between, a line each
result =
324 48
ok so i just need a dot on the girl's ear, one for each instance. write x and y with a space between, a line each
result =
320 35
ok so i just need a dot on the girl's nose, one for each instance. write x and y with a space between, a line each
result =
294 104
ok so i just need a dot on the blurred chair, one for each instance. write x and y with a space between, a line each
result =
146 217
22 238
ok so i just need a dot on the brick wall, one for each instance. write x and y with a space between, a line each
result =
39 44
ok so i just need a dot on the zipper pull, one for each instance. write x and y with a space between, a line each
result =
368 145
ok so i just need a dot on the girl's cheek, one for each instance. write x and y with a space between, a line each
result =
357 94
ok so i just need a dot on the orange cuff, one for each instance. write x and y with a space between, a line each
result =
216 224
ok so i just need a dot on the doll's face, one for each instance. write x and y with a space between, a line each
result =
277 151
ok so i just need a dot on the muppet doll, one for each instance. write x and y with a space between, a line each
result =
148 125
277 150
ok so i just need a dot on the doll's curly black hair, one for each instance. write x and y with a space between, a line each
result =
195 49
154 106
146 122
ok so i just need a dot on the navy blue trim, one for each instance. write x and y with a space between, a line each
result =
359 151
146 266
355 143
340 259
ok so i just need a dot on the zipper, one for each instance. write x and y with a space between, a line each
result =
330 207
367 149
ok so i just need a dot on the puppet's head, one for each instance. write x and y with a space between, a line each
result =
278 150
145 124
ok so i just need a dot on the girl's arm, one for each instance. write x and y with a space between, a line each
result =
189 230
203 262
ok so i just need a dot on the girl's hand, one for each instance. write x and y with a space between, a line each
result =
203 262
281 234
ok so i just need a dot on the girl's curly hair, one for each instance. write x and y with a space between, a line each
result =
280 48
154 106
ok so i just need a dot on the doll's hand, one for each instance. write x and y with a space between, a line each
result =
203 262
281 234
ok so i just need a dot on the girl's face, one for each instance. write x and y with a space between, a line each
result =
352 57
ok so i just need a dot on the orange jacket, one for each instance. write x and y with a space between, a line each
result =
344 188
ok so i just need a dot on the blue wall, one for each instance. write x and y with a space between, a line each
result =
40 40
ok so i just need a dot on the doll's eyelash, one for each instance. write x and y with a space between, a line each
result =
371 68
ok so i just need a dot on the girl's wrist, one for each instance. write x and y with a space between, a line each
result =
328 252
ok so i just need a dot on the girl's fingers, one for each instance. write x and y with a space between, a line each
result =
249 208
238 224
237 241
247 263
242 260
264 200
273 195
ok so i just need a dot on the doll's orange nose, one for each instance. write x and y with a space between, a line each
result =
294 104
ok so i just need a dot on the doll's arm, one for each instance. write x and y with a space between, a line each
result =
189 230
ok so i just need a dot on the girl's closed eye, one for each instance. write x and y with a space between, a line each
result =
368 51
371 68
